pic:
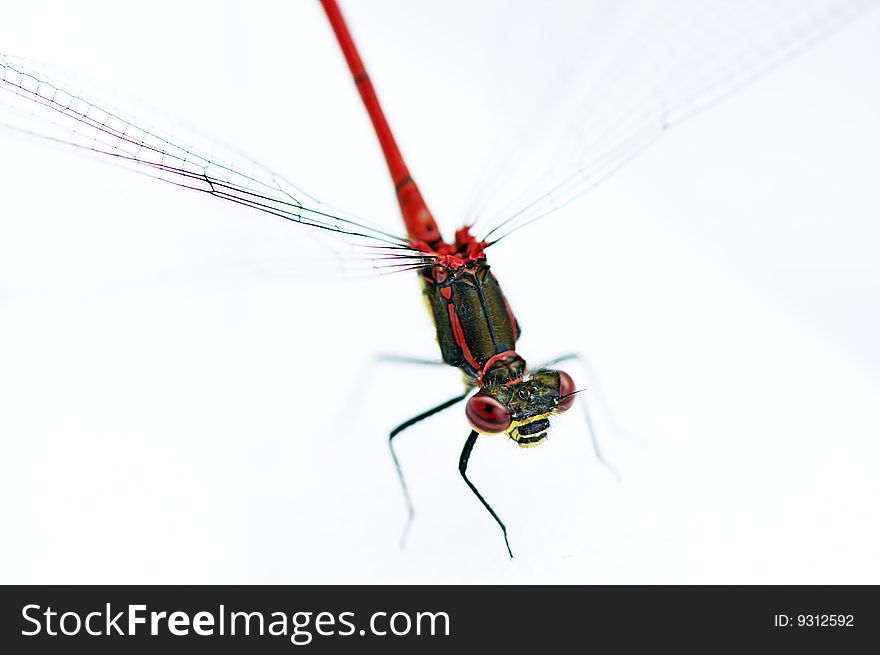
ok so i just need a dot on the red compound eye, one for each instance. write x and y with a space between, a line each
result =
566 391
485 414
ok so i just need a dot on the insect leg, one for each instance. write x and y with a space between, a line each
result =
462 468
582 399
387 358
400 428
362 381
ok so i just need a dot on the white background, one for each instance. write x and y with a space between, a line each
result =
182 401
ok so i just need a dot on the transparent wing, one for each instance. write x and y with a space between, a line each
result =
32 103
658 64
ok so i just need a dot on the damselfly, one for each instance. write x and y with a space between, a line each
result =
476 329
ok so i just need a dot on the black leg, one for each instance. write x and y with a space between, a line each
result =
400 428
582 399
462 468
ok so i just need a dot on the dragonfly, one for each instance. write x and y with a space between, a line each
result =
618 115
